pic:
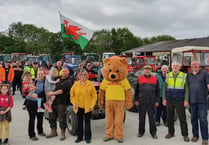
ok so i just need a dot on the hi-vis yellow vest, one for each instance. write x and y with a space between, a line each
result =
32 71
175 87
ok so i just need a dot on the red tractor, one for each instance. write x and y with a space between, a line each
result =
140 61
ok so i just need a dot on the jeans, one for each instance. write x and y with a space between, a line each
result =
161 112
199 111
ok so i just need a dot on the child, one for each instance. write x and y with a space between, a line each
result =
50 85
28 88
6 104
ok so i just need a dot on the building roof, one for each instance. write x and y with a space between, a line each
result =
167 46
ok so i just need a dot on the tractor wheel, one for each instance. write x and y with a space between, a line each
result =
72 123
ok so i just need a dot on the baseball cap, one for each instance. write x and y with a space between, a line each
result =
147 67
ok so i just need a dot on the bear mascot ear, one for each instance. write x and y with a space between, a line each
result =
106 60
124 60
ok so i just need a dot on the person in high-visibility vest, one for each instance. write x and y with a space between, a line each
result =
34 71
176 97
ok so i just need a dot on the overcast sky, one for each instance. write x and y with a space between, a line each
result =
145 18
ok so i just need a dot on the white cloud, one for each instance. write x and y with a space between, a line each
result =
145 18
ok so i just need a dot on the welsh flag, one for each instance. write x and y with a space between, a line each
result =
78 33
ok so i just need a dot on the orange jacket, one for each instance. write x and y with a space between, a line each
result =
10 75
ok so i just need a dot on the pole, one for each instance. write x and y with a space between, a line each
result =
62 41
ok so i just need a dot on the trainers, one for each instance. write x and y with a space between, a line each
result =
186 138
194 139
169 135
120 140
41 110
204 142
107 139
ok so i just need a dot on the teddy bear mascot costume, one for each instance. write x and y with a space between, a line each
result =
116 90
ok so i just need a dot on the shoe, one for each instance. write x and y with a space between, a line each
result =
107 139
41 110
62 135
165 123
78 140
52 134
157 123
186 138
13 93
24 108
42 134
34 138
194 139
46 107
50 109
169 135
5 142
204 142
88 141
154 136
139 135
120 140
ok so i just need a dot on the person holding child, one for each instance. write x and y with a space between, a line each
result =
6 104
32 106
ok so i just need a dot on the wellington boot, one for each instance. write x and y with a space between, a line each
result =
52 134
62 136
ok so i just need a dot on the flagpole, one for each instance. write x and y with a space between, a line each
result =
62 41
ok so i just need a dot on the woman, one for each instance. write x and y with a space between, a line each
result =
83 96
32 108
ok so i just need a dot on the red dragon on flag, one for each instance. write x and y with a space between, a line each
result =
74 30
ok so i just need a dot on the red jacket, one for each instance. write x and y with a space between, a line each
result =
6 101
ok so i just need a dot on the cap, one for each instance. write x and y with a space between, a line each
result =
35 62
88 64
147 67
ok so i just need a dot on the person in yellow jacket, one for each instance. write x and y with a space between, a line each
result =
83 96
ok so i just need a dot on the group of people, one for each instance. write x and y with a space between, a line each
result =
158 95
169 92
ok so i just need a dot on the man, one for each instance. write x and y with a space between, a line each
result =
175 96
27 66
60 104
59 67
161 109
147 97
34 70
18 70
8 73
198 89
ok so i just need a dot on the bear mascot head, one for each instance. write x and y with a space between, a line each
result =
115 68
